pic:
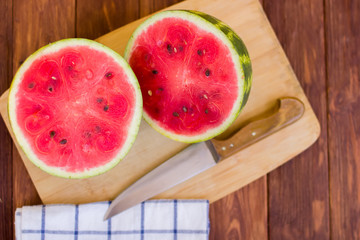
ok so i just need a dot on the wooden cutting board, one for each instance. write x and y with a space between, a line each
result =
273 78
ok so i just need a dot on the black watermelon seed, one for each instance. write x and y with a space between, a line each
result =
31 85
109 75
97 129
154 71
99 100
184 109
207 72
147 57
160 89
181 48
175 114
50 89
206 111
70 68
106 108
199 52
64 141
169 48
52 134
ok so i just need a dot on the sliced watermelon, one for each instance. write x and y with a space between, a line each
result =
194 74
75 108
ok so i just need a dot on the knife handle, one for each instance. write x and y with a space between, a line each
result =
289 110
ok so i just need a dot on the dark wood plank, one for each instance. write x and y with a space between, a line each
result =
6 181
242 214
298 191
95 18
343 71
36 23
149 6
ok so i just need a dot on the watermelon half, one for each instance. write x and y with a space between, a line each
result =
75 108
194 73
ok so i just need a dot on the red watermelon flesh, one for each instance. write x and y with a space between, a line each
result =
75 105
187 76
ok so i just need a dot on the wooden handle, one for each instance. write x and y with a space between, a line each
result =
289 111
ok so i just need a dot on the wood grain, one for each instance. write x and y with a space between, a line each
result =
36 24
6 181
150 6
298 191
95 18
241 215
343 71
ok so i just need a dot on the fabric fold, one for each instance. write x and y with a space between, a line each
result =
150 220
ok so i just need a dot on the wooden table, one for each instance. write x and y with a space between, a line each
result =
314 196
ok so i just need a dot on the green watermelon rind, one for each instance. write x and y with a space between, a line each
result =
239 54
19 136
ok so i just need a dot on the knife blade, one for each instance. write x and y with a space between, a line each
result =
201 156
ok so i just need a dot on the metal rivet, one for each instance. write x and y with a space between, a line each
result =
253 133
231 145
223 148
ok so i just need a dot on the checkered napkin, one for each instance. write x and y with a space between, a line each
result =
150 220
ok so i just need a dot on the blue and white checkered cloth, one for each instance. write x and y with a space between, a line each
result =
150 220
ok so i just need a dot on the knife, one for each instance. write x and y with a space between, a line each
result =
201 156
